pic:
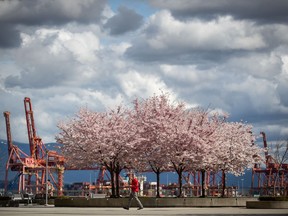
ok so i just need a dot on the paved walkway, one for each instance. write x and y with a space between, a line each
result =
51 210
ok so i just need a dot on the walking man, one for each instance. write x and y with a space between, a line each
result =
134 190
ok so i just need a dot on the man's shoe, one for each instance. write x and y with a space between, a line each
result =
126 208
139 208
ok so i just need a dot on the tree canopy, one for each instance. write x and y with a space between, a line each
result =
157 135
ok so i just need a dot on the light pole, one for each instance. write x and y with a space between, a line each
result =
218 189
90 184
167 179
95 181
238 187
46 193
242 187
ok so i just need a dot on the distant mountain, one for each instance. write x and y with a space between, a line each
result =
91 175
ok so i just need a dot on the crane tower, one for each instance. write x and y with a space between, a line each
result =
40 163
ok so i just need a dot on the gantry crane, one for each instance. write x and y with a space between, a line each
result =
18 161
273 176
51 160
40 163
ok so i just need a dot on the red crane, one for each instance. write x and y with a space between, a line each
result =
9 137
18 161
39 152
36 146
271 177
38 164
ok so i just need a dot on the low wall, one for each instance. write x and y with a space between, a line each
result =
9 203
153 202
267 204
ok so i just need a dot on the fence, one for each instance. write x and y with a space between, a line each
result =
167 192
170 192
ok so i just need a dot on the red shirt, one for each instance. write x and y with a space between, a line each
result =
135 185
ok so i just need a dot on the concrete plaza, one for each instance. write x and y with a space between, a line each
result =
51 210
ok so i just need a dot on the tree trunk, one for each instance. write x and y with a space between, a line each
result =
203 183
179 172
117 173
179 169
158 183
223 183
112 175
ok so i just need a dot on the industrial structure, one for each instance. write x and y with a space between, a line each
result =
34 169
272 178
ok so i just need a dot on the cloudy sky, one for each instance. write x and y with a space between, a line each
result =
227 55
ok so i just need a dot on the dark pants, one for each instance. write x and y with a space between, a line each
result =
134 195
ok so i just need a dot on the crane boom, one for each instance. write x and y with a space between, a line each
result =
267 156
9 136
32 136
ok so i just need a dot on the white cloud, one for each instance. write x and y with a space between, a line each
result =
258 88
56 56
221 34
135 84
120 48
58 42
203 42
258 65
188 74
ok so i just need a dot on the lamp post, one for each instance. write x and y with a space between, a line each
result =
95 182
218 189
242 187
238 187
46 192
167 179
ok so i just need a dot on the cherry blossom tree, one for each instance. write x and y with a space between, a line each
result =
234 150
99 139
154 117
205 127
190 146
157 135
204 141
180 150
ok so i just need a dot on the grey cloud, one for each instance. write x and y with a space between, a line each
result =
53 12
41 71
282 89
240 105
140 51
42 78
42 12
9 36
228 87
126 20
197 44
260 10
194 41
